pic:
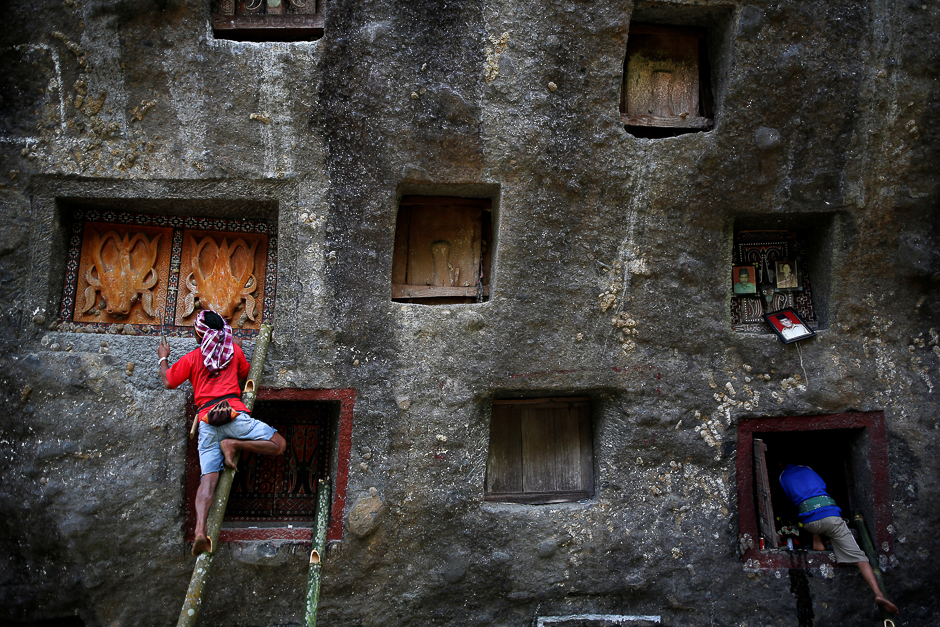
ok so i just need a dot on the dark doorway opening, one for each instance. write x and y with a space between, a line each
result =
828 452
850 453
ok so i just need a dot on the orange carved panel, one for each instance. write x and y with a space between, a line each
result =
122 276
225 272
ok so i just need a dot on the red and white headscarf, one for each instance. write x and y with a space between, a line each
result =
217 348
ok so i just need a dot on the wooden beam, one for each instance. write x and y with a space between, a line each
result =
431 291
662 122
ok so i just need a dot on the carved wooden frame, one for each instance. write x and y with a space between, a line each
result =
167 297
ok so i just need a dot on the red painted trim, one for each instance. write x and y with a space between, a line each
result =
347 399
873 422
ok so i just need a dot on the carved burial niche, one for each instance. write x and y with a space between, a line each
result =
140 273
666 81
788 262
541 451
268 20
442 250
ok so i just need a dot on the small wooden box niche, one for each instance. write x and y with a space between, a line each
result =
663 82
269 20
442 250
541 451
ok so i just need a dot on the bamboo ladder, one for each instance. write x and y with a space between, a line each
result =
197 582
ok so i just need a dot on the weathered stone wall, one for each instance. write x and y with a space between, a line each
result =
827 115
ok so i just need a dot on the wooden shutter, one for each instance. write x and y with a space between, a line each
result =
661 78
765 509
438 248
540 451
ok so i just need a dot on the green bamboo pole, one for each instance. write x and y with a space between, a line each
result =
197 582
869 547
316 555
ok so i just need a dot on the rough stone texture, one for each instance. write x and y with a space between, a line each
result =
827 114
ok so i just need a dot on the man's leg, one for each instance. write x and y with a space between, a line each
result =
869 575
818 543
275 446
203 502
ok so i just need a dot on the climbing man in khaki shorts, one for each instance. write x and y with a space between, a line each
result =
821 516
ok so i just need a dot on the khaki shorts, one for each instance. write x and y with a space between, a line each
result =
843 542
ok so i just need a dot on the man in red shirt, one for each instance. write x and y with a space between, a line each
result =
214 369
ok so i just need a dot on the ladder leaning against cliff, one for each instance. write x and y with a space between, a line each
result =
197 582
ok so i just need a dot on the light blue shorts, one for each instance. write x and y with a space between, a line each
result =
244 427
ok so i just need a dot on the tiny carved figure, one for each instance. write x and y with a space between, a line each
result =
222 278
123 273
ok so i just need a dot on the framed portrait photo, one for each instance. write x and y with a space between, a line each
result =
787 276
788 326
744 280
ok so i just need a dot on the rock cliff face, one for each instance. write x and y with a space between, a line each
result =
611 280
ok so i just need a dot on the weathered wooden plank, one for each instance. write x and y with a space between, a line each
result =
765 508
667 122
538 450
504 467
587 447
538 498
567 453
400 253
431 291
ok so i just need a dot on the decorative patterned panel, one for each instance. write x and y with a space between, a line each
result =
122 273
224 272
284 488
115 238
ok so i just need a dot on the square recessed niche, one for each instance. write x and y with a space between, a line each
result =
674 54
849 451
443 250
781 262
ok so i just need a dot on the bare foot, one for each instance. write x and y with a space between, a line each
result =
818 543
203 544
888 605
228 450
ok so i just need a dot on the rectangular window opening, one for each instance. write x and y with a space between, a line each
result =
540 451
